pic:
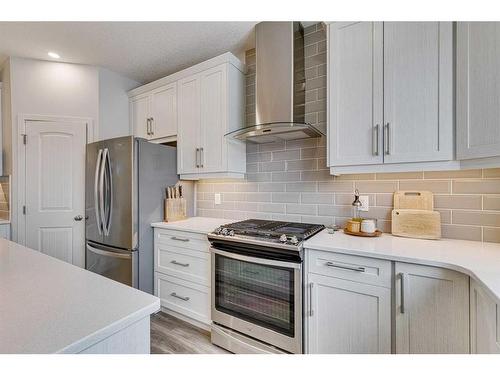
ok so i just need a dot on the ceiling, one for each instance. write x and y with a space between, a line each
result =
143 51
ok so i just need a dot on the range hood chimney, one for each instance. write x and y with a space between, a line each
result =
279 86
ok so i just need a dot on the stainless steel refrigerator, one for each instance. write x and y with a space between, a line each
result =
125 183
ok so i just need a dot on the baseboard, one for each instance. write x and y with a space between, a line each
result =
187 319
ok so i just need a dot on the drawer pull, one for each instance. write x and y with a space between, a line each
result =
179 239
334 265
173 294
179 263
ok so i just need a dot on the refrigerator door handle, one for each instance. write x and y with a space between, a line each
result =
112 254
96 192
101 190
109 189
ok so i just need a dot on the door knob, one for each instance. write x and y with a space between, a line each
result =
78 218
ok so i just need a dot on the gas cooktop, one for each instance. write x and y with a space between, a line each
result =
268 232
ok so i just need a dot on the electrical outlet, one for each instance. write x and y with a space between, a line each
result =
365 202
217 198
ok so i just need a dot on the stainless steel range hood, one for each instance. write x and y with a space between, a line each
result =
279 86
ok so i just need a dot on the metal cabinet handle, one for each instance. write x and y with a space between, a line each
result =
311 311
334 265
402 307
152 122
202 157
179 239
197 158
148 123
179 263
375 138
387 139
173 294
78 218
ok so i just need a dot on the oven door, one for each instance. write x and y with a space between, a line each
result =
258 297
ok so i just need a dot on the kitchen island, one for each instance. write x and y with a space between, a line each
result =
49 306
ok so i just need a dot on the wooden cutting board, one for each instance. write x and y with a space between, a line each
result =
415 200
413 223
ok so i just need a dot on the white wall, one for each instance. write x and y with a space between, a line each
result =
113 104
6 117
51 89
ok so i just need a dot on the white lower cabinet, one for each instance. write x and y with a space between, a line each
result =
431 310
348 317
484 321
355 304
348 304
186 298
182 274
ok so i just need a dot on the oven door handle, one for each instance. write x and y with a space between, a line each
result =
244 258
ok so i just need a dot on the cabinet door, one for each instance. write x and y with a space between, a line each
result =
164 111
484 320
213 118
139 115
478 89
432 310
347 317
418 96
355 95
188 135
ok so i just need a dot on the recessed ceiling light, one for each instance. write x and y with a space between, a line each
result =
53 55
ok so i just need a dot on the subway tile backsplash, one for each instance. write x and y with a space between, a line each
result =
290 181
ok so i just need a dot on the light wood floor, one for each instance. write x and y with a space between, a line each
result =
170 335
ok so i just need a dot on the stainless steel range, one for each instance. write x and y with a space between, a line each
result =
257 285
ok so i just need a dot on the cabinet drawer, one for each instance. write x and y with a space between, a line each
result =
186 240
350 267
184 297
183 263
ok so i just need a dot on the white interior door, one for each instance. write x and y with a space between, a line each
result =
55 189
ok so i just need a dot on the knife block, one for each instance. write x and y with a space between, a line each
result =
175 209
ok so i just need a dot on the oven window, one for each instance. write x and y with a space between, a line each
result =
257 293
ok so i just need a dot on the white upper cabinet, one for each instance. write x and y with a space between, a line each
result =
355 93
211 105
189 125
139 115
213 118
478 90
196 107
418 91
154 114
164 112
390 95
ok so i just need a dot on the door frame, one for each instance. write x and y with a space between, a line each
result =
21 162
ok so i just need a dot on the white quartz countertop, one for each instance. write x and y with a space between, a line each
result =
480 260
49 306
197 224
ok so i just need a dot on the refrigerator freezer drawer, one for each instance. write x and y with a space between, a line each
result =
115 264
